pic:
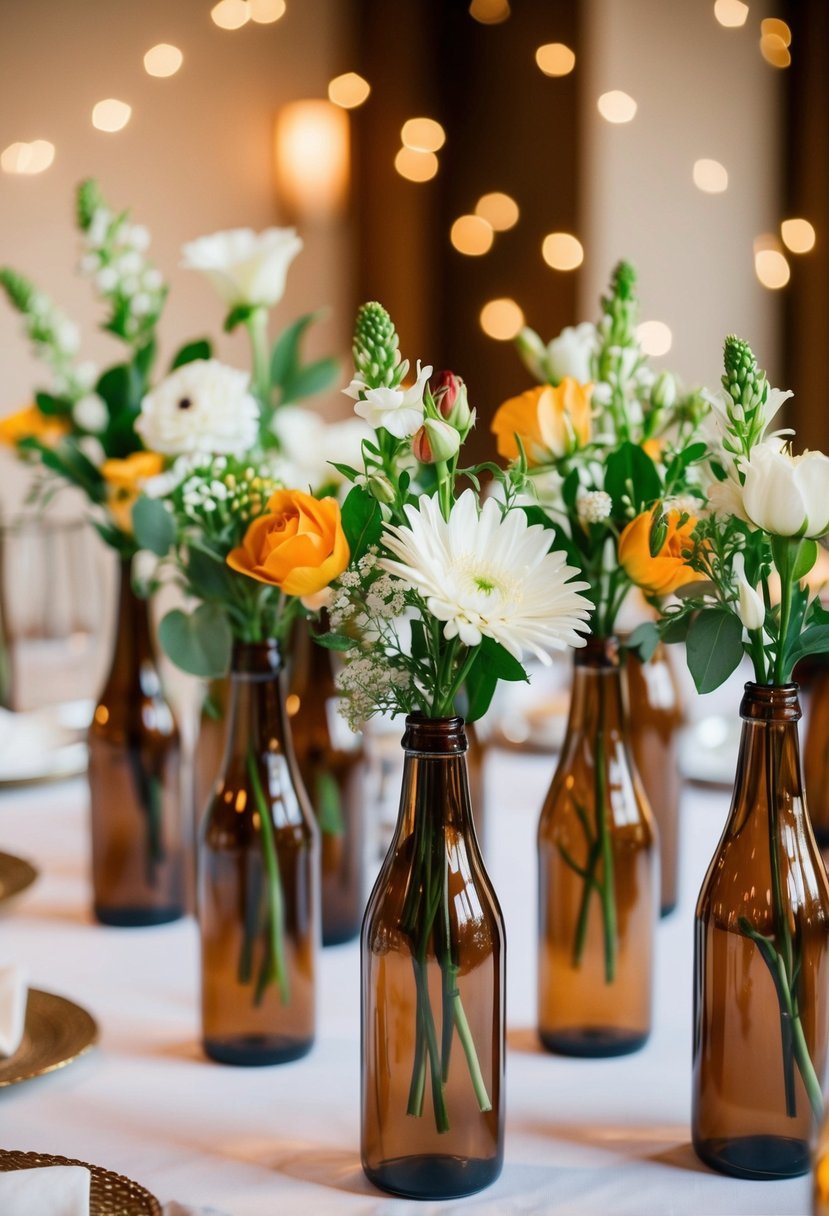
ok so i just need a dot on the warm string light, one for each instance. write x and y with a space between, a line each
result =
422 135
27 159
655 338
501 319
230 14
710 176
162 60
731 13
499 210
349 90
562 251
416 166
616 106
265 12
471 235
798 235
111 114
770 263
555 59
489 12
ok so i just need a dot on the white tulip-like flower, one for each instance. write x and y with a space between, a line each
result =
489 575
397 410
750 607
91 413
244 266
203 406
786 495
570 353
308 445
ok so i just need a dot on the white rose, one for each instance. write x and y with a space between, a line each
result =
244 266
786 495
91 413
397 410
205 407
569 354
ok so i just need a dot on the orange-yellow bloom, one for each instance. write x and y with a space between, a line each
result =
298 545
662 574
30 423
550 420
124 480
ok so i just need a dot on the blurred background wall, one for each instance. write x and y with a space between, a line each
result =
197 155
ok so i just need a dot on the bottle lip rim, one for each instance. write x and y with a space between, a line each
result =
770 702
440 736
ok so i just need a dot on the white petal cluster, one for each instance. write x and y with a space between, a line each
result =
786 495
203 406
489 575
592 506
308 445
245 267
397 410
115 260
570 354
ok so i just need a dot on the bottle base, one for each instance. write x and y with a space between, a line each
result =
256 1050
434 1175
593 1041
758 1157
137 918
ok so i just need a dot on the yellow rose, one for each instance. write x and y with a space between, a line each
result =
551 421
30 423
662 574
298 546
124 480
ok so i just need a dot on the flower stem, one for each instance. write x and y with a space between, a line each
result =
278 970
785 617
257 327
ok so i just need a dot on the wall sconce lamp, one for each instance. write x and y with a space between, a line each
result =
312 154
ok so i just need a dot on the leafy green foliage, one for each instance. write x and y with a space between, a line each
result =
294 379
362 521
644 640
631 480
492 663
238 315
191 352
199 643
153 526
714 647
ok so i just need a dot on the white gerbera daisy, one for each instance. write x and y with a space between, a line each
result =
398 410
489 575
203 406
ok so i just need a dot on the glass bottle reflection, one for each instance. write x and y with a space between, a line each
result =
332 763
598 876
138 836
258 881
433 987
761 969
816 755
655 718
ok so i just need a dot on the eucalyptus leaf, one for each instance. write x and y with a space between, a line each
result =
334 641
814 640
644 640
285 351
714 647
153 526
312 378
199 643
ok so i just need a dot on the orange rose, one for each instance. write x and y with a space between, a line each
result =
124 480
298 546
551 421
30 423
654 448
669 569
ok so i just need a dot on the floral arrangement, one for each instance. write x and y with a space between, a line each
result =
444 596
607 452
749 556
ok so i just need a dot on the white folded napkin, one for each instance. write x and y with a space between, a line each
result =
51 1190
13 997
182 1209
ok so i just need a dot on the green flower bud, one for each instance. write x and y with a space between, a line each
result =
663 393
379 487
436 441
376 353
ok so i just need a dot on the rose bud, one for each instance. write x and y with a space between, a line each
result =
449 393
435 441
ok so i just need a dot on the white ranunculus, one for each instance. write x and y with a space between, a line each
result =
91 413
244 266
397 410
786 495
204 407
308 444
570 353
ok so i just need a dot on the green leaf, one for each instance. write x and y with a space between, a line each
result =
70 462
199 643
714 647
676 626
630 473
208 574
52 407
285 351
143 365
88 199
346 471
804 559
312 378
420 649
480 688
153 526
334 641
814 640
120 388
362 522
644 640
500 663
238 316
191 352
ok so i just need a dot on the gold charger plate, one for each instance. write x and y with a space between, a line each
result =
15 875
109 1194
56 1032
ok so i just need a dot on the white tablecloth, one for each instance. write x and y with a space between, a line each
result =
607 1137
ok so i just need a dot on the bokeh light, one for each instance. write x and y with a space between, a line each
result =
230 14
111 114
562 251
499 210
616 106
501 319
710 176
655 337
798 235
27 159
471 235
164 59
416 166
555 59
731 13
348 90
489 12
422 135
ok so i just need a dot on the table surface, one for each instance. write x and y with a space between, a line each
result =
582 1136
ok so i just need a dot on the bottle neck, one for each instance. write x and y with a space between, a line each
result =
311 671
435 781
257 706
597 702
769 779
133 660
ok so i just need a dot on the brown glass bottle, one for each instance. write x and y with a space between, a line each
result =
432 958
761 961
655 716
138 834
332 764
258 881
598 876
816 756
209 748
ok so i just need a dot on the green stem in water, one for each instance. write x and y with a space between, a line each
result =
607 886
276 917
785 617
